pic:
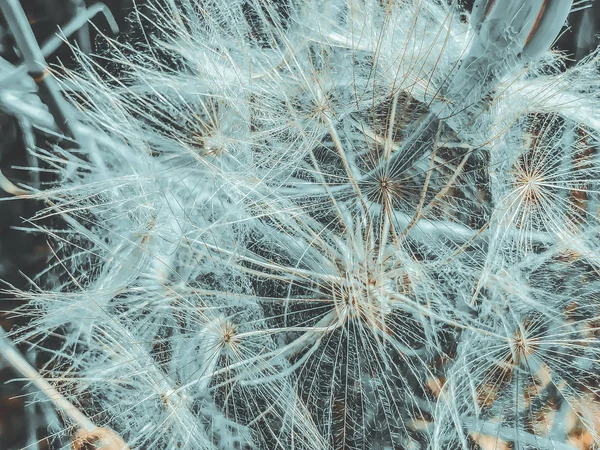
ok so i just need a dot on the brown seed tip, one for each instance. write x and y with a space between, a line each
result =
98 439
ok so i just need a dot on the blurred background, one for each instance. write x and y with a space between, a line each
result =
24 254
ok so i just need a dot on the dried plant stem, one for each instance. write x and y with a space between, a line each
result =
20 364
36 65
74 25
86 428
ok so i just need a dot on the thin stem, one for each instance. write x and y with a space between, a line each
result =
36 65
52 44
20 365
87 431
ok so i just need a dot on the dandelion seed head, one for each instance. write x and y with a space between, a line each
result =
330 225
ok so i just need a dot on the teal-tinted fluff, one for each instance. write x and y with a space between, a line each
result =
318 229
